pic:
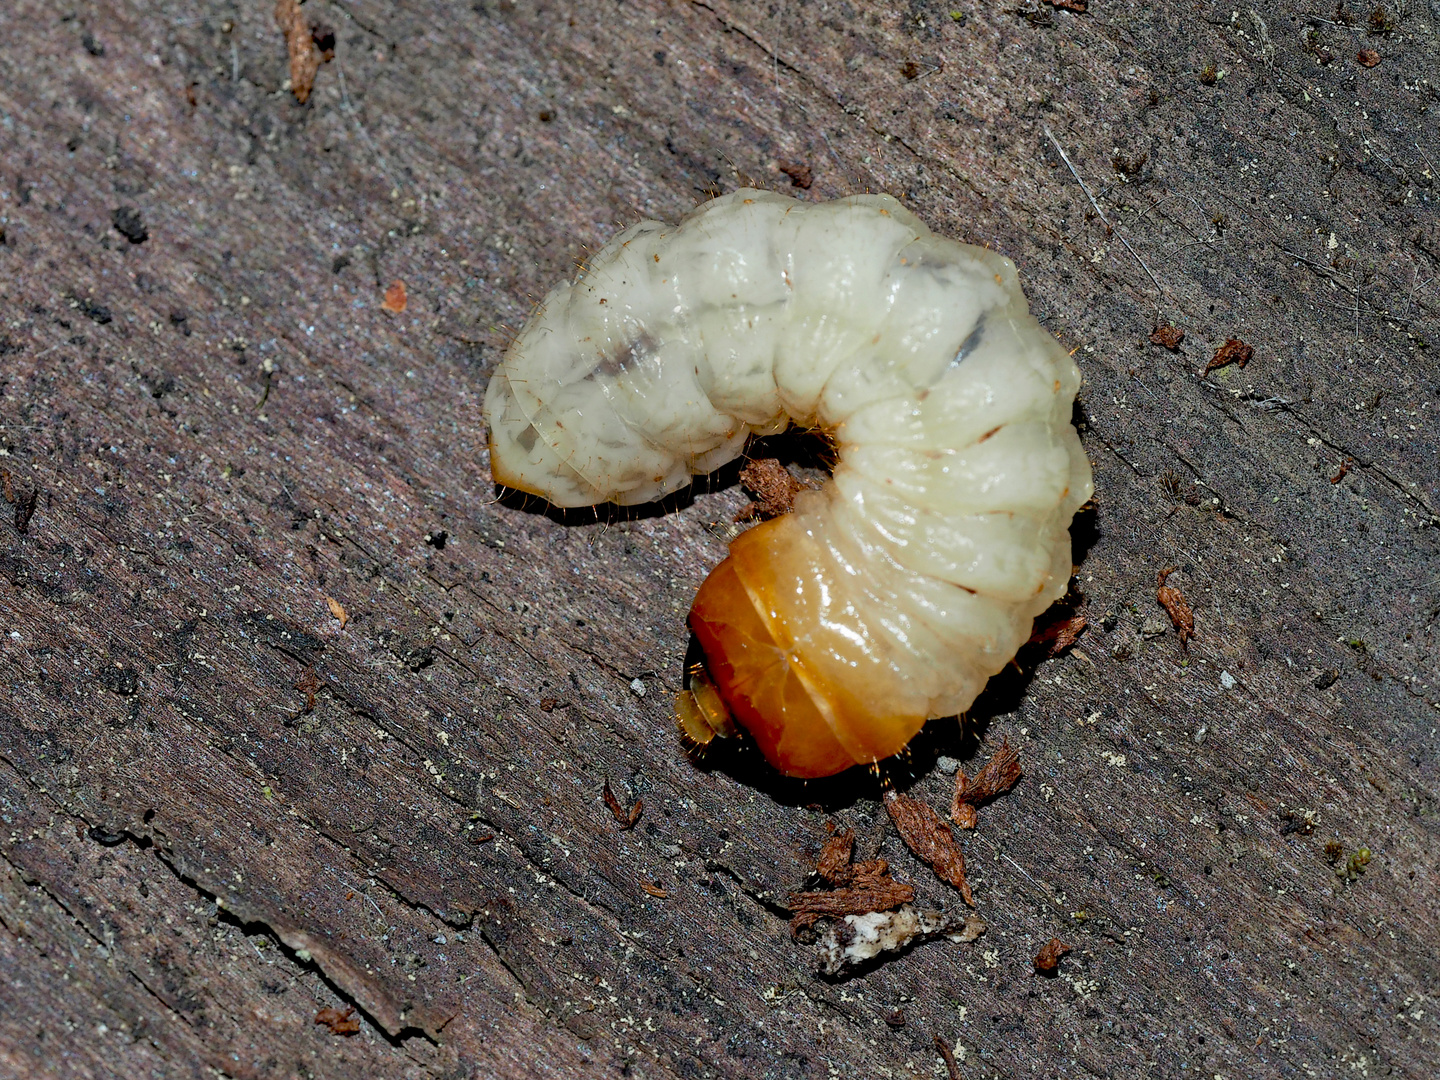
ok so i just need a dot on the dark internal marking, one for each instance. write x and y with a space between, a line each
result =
969 345
526 439
629 356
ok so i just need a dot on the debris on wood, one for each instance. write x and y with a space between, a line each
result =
549 704
130 223
1302 821
1209 75
1047 960
1176 606
854 888
800 174
338 610
947 1055
1059 634
1232 352
1367 58
1169 336
929 837
25 502
309 684
1077 6
857 938
306 55
910 69
340 1023
995 777
626 819
654 890
482 838
1344 471
772 486
395 297
896 1019
1348 869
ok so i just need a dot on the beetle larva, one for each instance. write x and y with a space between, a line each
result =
893 593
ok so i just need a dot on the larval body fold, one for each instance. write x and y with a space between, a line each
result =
895 592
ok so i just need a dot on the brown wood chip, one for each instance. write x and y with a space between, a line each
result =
305 58
997 775
395 298
25 509
1077 6
1048 959
1168 336
1059 634
339 1023
834 862
799 173
929 837
654 890
1176 606
773 487
626 819
861 887
1232 352
1367 58
948 1056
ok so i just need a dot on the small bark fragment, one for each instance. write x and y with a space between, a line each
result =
773 487
1232 352
340 1023
1077 6
996 776
855 939
626 819
1047 961
834 862
654 890
338 610
800 174
1344 471
395 298
1176 606
947 1055
25 509
926 834
1057 636
855 888
300 43
1367 58
1169 336
309 684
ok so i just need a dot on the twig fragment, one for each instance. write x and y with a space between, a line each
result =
1047 960
996 776
1176 606
626 819
929 837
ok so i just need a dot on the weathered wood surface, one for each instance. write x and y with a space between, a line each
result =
224 428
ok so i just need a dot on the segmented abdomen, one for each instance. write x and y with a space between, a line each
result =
895 592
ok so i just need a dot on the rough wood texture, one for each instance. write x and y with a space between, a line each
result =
225 428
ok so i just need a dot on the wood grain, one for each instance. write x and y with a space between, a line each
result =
225 808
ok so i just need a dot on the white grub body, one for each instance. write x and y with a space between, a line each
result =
945 528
